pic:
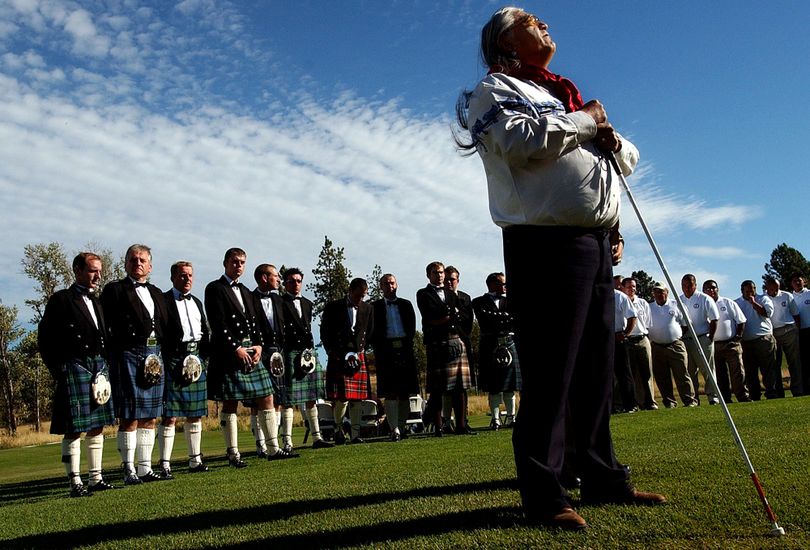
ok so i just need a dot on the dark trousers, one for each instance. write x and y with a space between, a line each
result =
565 344
804 351
624 379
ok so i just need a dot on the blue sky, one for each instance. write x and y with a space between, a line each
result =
195 126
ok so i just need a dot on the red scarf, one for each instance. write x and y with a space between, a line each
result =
562 88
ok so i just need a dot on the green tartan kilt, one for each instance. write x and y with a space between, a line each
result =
184 399
311 388
236 385
74 410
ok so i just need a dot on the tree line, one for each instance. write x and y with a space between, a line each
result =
26 391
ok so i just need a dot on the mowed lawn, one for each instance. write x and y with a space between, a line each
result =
453 492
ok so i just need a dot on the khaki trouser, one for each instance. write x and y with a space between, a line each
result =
787 343
670 360
640 358
728 360
695 364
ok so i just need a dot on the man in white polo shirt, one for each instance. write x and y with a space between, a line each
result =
669 355
785 322
758 343
728 357
702 312
801 296
638 348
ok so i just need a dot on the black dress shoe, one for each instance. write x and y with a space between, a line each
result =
99 486
395 436
79 490
198 468
321 444
357 441
282 454
150 476
166 474
340 438
438 433
466 430
130 476
261 454
235 461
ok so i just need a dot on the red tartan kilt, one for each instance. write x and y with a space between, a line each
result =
344 387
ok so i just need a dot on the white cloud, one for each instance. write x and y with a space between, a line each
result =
86 38
717 252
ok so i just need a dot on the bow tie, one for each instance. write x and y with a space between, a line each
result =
265 294
137 284
297 298
234 283
84 291
184 297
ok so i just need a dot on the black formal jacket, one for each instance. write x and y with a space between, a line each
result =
492 321
229 324
465 312
128 321
272 338
406 315
297 330
173 346
433 309
336 333
67 330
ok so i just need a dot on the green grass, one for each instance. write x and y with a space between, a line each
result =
432 493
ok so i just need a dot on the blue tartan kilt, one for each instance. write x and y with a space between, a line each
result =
74 410
184 399
134 398
236 385
311 388
495 378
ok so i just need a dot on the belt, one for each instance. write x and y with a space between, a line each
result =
635 339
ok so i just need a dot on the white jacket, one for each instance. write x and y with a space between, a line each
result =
541 166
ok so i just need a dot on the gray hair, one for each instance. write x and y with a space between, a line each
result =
492 52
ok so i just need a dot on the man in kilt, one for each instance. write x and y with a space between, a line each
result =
185 351
136 315
72 345
498 368
308 377
448 367
346 325
271 324
392 340
235 369
458 398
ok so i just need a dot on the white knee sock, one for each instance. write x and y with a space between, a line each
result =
268 422
166 445
230 431
495 407
354 415
71 458
127 441
510 402
193 432
287 424
340 411
146 443
94 446
314 424
392 412
258 433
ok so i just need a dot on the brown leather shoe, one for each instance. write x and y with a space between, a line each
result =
566 519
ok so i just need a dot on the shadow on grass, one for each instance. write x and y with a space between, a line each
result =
285 510
34 489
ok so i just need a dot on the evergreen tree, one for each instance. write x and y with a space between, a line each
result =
331 276
374 290
644 284
48 266
785 263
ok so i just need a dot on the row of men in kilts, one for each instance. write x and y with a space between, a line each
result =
139 354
